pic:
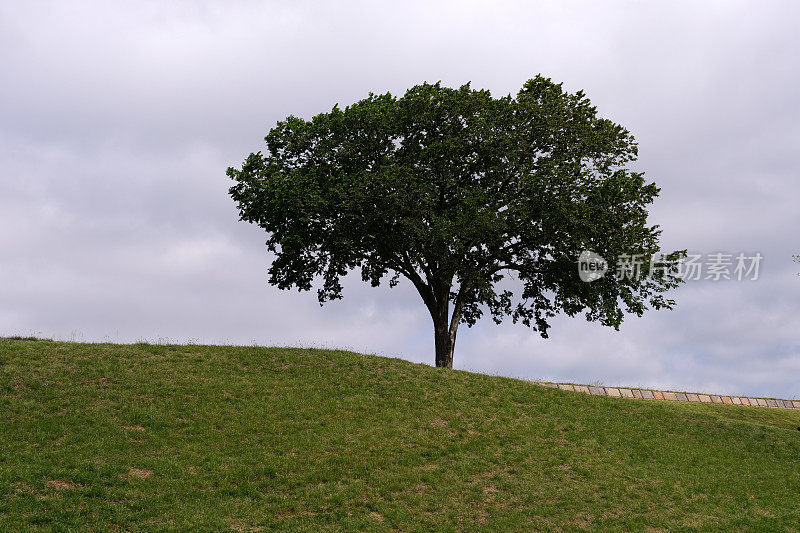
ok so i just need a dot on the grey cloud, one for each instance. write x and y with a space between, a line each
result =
117 124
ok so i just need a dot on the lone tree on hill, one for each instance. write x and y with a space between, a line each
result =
454 190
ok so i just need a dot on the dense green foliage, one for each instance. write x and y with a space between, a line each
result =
454 189
154 438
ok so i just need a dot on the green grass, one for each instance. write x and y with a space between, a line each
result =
144 437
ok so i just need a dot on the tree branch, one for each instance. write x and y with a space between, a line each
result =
458 307
407 269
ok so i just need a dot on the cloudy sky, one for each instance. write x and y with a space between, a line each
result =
117 123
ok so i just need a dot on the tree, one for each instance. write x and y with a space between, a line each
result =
456 190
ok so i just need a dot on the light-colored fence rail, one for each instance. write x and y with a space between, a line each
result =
651 394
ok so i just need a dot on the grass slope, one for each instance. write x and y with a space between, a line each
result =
143 437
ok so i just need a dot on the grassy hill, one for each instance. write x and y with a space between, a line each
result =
144 437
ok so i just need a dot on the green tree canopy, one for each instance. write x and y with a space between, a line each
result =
455 190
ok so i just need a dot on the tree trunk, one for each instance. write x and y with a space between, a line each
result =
444 336
437 298
444 345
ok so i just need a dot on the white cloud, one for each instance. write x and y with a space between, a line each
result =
117 125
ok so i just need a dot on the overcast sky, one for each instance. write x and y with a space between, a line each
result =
117 123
